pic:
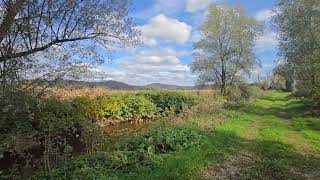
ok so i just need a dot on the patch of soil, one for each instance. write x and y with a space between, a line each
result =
233 167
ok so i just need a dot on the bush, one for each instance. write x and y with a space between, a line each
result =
54 127
162 141
169 101
32 128
129 106
99 166
129 156
140 106
242 92
117 107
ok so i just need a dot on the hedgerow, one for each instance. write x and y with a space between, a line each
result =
46 132
169 101
131 106
35 129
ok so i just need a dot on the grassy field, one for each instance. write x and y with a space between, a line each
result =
274 137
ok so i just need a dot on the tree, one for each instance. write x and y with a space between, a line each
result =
225 51
298 24
42 39
283 77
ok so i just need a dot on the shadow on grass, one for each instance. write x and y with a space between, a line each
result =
290 107
269 160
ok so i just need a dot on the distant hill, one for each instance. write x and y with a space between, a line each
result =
116 85
106 84
165 86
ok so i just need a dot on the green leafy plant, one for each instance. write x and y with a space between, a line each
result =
131 106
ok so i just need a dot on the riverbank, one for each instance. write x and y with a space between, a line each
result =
266 139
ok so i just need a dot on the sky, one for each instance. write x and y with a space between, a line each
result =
168 29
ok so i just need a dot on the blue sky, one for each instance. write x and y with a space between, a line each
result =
168 29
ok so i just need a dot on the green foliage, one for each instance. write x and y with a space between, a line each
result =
169 101
99 165
242 92
117 107
283 77
298 26
132 106
33 127
55 127
129 156
225 49
163 140
139 106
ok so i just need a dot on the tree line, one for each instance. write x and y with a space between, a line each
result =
224 56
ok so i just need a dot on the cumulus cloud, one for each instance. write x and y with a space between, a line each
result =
155 62
265 15
193 6
267 41
196 36
163 28
196 5
152 66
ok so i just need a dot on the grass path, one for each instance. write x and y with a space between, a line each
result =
273 148
271 138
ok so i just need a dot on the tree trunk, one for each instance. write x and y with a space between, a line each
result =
223 78
11 11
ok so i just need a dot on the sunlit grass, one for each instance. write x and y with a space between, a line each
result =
276 138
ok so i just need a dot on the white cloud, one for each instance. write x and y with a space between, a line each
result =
267 41
154 62
268 65
197 5
152 66
193 6
163 28
196 36
265 15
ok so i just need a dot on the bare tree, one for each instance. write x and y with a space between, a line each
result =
53 37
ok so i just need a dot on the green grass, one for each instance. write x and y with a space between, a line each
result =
277 133
258 129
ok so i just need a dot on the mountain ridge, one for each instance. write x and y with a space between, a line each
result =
117 85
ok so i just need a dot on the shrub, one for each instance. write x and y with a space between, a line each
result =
169 101
34 128
99 166
117 107
129 156
134 106
140 106
162 140
242 92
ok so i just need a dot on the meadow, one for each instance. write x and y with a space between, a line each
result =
217 90
185 134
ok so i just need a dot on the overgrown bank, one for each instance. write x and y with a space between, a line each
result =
274 137
40 134
256 141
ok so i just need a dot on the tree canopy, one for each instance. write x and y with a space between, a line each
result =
298 23
225 51
41 37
